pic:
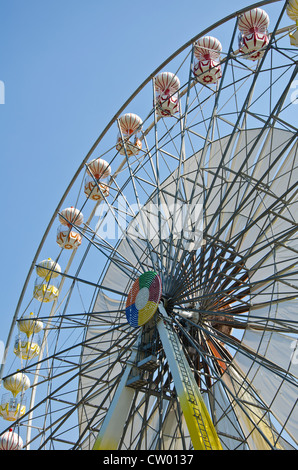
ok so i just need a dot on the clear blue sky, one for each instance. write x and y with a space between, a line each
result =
68 66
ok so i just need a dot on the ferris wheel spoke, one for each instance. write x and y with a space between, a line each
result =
179 190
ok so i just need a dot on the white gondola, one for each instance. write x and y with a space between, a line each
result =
166 88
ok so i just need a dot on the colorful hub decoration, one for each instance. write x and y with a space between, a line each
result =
143 299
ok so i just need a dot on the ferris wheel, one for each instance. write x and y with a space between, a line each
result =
160 311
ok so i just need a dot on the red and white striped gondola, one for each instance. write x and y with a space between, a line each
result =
253 26
130 128
207 68
97 171
67 237
166 88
